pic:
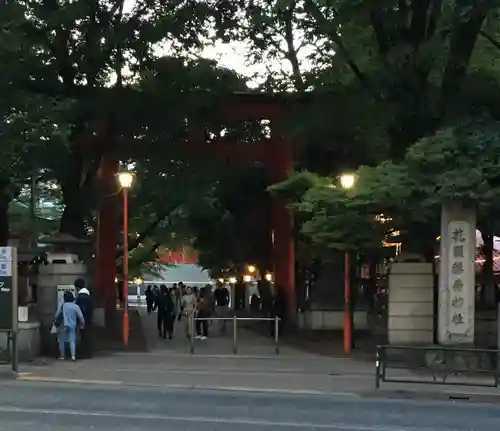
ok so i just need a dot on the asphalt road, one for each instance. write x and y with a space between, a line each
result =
28 406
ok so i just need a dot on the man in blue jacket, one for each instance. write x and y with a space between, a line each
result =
84 301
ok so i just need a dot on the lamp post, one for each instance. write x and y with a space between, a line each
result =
347 182
232 282
125 179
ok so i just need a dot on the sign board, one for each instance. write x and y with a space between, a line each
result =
460 265
6 254
8 290
61 288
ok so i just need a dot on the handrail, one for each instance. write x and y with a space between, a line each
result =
269 319
442 362
235 329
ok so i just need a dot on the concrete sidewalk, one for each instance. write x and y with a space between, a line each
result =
213 365
255 368
291 375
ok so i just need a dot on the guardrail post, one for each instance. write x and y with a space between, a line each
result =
191 333
235 335
276 335
497 368
9 347
15 354
377 368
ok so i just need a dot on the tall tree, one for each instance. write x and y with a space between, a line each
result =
94 51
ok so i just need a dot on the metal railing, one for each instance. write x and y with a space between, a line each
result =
235 320
435 365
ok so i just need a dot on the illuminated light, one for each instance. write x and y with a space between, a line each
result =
247 278
347 181
381 218
391 244
251 269
116 279
232 280
138 281
220 280
125 179
268 277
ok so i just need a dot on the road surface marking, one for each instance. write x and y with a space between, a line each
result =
211 420
41 379
33 378
243 372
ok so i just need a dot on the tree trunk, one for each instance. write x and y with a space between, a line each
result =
77 188
8 192
73 217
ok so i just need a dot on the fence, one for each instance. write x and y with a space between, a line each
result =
437 365
235 320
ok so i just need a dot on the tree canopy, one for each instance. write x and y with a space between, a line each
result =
404 93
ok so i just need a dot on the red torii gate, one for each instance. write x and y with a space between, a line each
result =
274 151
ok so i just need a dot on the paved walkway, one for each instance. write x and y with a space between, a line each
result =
214 366
248 342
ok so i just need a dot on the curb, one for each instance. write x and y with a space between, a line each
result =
458 396
231 356
116 383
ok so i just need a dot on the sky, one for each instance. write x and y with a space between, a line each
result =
232 56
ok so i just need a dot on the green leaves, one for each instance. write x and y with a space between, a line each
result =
459 162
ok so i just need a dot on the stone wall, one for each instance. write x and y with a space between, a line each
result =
28 341
411 303
331 320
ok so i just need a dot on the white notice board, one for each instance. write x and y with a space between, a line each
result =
61 288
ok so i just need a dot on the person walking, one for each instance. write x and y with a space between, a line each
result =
84 301
67 318
278 309
203 313
221 299
150 298
165 318
188 308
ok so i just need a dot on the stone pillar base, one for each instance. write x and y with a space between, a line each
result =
411 303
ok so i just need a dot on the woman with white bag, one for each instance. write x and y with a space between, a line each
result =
66 320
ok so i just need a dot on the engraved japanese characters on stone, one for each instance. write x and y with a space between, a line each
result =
458 251
458 235
457 302
457 268
458 285
458 318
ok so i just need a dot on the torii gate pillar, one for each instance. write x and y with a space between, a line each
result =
281 165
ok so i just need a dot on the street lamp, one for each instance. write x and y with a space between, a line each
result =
251 269
347 181
232 282
268 277
125 179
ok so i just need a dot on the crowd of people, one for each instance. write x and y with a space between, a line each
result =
178 303
181 303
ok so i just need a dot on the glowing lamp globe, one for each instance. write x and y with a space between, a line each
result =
347 181
125 179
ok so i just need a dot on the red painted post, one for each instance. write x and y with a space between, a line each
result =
347 304
282 221
125 267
